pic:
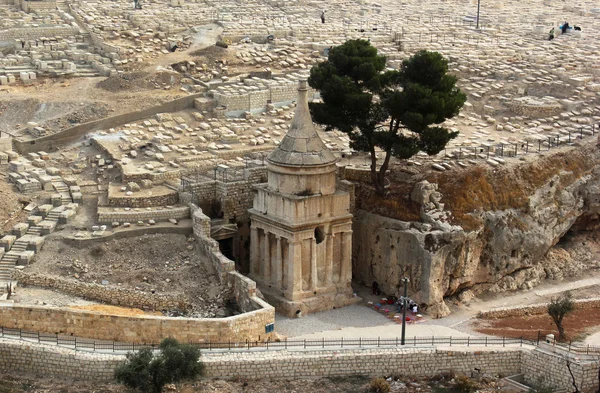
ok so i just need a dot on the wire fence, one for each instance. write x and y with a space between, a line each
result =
86 344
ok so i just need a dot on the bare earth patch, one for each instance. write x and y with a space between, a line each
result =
577 324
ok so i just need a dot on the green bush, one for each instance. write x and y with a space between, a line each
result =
149 372
379 385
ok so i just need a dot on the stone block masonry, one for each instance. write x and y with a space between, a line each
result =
371 362
147 328
108 215
106 294
56 362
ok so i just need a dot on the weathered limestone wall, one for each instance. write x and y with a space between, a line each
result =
147 329
549 364
165 199
108 215
157 178
371 362
54 141
105 293
209 246
544 363
54 362
32 33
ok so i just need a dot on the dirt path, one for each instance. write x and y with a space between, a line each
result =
207 36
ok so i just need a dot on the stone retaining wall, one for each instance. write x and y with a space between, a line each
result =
56 362
370 362
550 364
170 198
148 328
208 245
580 304
108 215
105 293
53 141
32 33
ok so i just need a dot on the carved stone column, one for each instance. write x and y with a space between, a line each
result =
329 260
294 270
254 252
277 266
346 265
313 264
266 259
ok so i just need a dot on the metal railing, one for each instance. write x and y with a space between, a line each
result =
86 344
513 149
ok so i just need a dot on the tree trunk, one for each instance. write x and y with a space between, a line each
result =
383 170
561 332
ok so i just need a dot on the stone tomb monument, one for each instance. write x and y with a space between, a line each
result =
301 231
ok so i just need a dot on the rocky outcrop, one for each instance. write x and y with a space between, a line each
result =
507 250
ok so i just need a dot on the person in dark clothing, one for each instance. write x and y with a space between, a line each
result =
323 16
576 28
564 27
375 287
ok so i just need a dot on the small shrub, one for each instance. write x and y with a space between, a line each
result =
221 44
379 385
464 384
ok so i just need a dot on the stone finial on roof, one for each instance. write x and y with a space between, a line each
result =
302 146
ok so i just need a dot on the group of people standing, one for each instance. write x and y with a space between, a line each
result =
564 28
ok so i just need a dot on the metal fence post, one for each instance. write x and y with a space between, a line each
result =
304 343
360 342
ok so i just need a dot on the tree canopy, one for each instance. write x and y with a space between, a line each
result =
149 372
393 110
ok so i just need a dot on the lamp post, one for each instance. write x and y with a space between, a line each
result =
478 3
405 280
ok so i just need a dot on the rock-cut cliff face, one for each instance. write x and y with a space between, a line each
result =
488 231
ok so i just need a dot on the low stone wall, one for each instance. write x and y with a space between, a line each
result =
412 362
53 141
157 178
170 198
549 364
147 328
108 215
535 363
542 308
208 245
105 293
54 362
32 33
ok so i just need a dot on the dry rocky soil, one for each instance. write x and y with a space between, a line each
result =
164 263
334 385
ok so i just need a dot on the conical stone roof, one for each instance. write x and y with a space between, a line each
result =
302 146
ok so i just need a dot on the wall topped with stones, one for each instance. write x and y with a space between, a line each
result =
49 361
105 293
148 328
133 201
107 215
26 33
